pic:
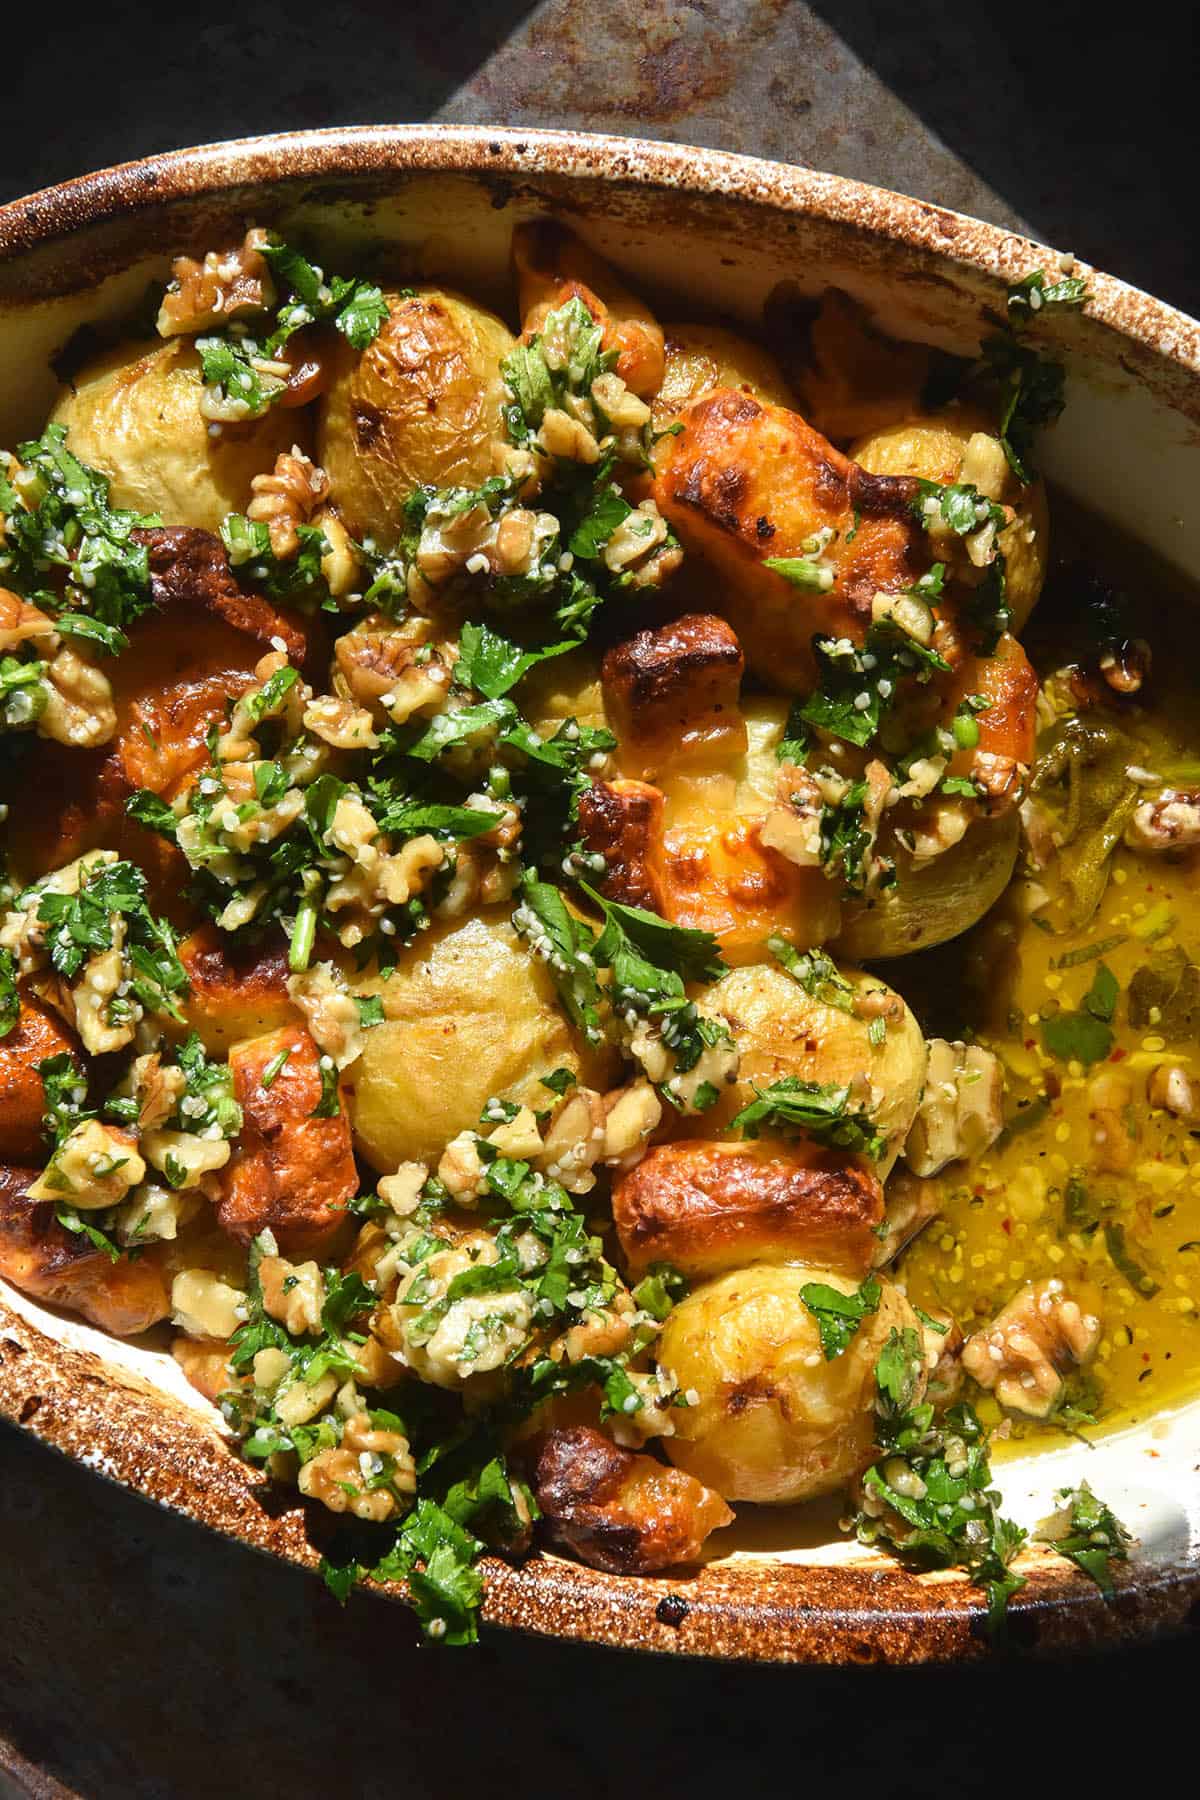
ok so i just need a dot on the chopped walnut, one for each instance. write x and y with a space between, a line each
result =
394 671
293 1293
340 723
205 1306
94 1167
1175 1090
461 1169
1001 780
961 1110
228 284
79 710
1169 822
1025 1352
793 825
631 1114
21 623
1126 666
939 827
339 1478
574 1140
402 1191
601 1333
340 564
287 498
641 550
330 1012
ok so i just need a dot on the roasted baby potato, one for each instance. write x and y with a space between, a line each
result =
940 447
134 414
747 483
783 1031
621 1511
553 266
420 407
774 1421
702 357
292 1168
468 1015
931 902
706 1207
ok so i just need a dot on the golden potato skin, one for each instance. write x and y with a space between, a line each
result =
134 414
707 1207
932 902
782 1031
702 357
775 1422
468 1014
931 445
420 406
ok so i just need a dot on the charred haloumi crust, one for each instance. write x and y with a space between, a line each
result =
292 1171
744 483
38 1033
622 821
44 1259
671 693
620 1510
707 1207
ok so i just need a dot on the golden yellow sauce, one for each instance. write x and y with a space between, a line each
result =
1092 1177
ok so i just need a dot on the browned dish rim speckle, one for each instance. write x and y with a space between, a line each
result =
66 239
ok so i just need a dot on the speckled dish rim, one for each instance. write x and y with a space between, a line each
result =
753 1609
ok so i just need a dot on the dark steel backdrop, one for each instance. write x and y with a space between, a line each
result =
140 1656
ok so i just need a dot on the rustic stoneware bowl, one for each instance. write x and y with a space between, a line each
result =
699 230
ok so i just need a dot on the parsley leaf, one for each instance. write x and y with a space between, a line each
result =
839 1315
1089 1534
10 999
822 1111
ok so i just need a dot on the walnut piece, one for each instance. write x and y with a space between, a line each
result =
287 498
961 1110
228 284
1023 1355
1171 821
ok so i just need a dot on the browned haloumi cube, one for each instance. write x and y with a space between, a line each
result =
711 1206
671 694
42 1258
746 483
291 1171
619 1510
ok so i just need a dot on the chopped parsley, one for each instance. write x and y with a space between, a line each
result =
821 1110
816 972
944 1512
1089 1534
839 1315
82 924
236 364
1085 1035
67 549
10 998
